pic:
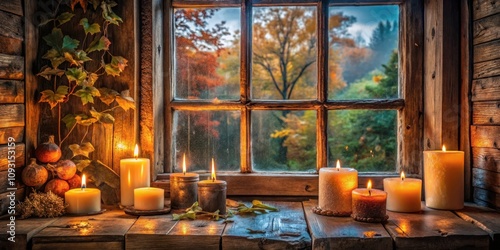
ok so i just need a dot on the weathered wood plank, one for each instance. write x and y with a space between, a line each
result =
486 89
487 69
434 229
484 218
25 229
19 153
10 46
286 229
15 132
486 158
487 198
150 232
486 179
487 51
6 207
12 25
486 113
12 6
11 115
11 67
197 234
486 29
11 91
485 136
344 232
103 231
484 8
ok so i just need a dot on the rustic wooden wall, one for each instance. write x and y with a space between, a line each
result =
485 89
12 119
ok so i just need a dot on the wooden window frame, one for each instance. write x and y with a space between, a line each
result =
409 105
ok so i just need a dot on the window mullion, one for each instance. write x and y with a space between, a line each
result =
246 56
322 115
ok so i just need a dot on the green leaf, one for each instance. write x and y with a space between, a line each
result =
259 204
116 66
98 44
47 72
87 94
69 120
102 117
62 90
189 215
125 101
90 28
54 39
85 149
69 44
77 75
108 14
82 164
55 57
85 120
108 95
81 56
95 3
64 17
54 98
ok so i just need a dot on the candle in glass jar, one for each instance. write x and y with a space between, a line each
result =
149 198
83 200
403 194
444 179
212 193
335 188
134 173
183 188
369 204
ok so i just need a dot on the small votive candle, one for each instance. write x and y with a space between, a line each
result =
403 194
83 200
368 205
335 188
212 194
149 198
183 188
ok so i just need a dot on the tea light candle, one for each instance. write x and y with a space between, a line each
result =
183 188
149 198
403 194
83 200
335 188
134 173
444 179
368 204
212 193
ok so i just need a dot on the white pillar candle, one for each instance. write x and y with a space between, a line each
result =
335 187
444 179
403 194
149 198
134 173
83 200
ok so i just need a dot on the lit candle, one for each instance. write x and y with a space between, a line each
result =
149 198
212 193
134 173
444 179
83 200
183 188
403 194
335 187
368 204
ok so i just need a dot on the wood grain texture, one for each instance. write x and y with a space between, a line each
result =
487 51
11 91
6 207
11 67
80 246
286 229
487 69
434 229
11 115
486 113
197 234
4 153
487 198
15 132
486 158
465 93
25 229
344 232
485 136
484 8
12 25
10 46
484 218
486 89
486 29
150 232
12 6
485 179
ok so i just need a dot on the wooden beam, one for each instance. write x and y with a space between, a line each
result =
484 218
486 29
12 25
485 136
484 8
486 89
11 67
486 113
11 115
12 6
15 132
486 198
19 154
486 158
485 179
11 91
487 69
11 46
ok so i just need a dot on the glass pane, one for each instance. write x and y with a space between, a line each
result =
207 53
363 52
284 53
202 135
284 140
363 139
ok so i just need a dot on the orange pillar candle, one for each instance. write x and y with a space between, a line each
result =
83 200
212 193
149 198
335 188
368 204
134 173
183 188
403 194
444 179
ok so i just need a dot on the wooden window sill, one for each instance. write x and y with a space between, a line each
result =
294 227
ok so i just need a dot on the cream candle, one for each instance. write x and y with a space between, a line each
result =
183 187
83 200
444 179
369 204
335 187
212 193
403 194
134 173
149 198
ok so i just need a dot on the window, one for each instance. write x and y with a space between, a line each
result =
288 86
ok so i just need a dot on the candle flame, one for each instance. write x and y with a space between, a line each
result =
213 170
369 187
402 175
444 148
136 151
338 165
184 164
84 183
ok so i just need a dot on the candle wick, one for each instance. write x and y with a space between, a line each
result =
84 186
369 192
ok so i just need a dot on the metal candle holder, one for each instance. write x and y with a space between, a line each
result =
183 190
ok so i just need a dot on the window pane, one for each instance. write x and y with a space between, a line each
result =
207 53
363 139
202 135
363 52
284 140
284 53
